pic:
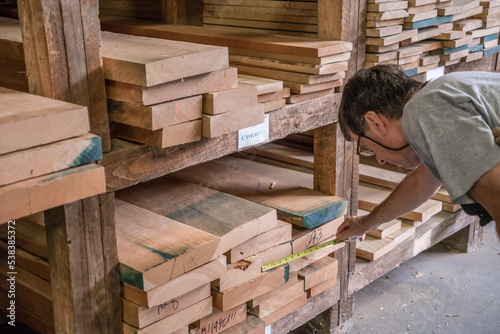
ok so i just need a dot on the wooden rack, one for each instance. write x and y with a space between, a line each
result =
81 235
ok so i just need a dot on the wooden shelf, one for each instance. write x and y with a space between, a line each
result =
130 163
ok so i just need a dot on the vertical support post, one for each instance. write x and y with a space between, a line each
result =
61 40
182 12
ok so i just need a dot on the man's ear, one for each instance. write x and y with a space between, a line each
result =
377 123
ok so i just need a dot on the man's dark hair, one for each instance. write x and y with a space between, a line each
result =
384 89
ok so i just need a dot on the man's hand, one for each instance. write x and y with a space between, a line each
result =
353 226
496 134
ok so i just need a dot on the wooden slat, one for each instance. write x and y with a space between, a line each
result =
220 320
296 205
140 316
252 325
34 162
45 192
156 116
195 85
232 121
239 98
319 271
124 59
21 115
239 272
278 298
264 42
305 238
203 208
153 249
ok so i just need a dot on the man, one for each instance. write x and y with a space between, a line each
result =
443 131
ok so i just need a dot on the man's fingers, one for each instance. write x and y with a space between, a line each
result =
496 132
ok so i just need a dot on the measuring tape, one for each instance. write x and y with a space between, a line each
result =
308 251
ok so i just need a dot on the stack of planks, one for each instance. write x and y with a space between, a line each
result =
191 256
269 92
298 18
46 152
309 67
33 290
445 32
156 89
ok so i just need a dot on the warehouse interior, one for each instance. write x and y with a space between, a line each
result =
175 167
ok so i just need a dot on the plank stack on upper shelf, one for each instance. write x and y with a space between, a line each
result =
42 167
309 67
446 32
297 18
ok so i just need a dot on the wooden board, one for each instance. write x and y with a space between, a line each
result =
176 321
386 6
239 272
30 236
285 310
319 271
173 90
291 57
156 116
232 121
275 253
148 61
252 325
305 238
153 249
219 321
177 134
45 192
370 197
384 41
264 42
279 298
292 280
281 233
321 287
458 8
32 263
384 31
288 66
297 98
279 95
263 85
298 264
239 98
267 281
373 248
274 105
299 206
140 316
232 219
384 229
45 159
21 115
306 89
178 286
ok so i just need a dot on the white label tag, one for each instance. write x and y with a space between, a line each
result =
434 73
254 135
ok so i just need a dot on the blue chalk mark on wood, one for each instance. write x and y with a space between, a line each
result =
131 276
412 71
491 51
314 217
91 153
475 48
429 22
491 37
446 51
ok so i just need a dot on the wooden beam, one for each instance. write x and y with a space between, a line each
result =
61 49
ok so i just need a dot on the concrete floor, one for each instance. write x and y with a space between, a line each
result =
438 291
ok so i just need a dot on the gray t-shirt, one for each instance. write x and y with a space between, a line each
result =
449 124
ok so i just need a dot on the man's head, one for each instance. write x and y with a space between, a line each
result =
371 110
383 89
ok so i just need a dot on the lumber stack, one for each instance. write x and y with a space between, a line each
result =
442 33
270 16
42 167
156 97
33 291
270 93
309 67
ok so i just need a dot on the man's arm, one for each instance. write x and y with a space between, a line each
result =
416 188
486 191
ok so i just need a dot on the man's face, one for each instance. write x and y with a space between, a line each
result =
405 158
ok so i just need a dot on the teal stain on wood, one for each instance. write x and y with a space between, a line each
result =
446 51
491 37
131 276
315 216
475 48
164 255
92 152
491 51
412 71
286 274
